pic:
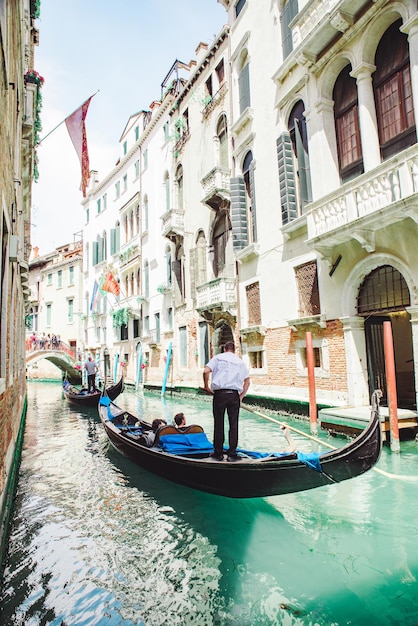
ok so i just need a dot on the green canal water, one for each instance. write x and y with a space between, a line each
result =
95 540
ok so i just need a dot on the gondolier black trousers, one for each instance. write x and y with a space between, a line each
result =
91 382
225 400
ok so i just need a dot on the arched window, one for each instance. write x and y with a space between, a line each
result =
393 92
168 265
222 134
137 218
131 224
384 289
179 182
145 213
248 172
138 282
299 138
201 266
167 191
220 237
347 126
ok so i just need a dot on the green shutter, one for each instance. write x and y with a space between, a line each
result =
244 88
252 191
303 167
286 178
113 248
95 255
239 214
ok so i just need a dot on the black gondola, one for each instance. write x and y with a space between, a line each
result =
250 477
81 397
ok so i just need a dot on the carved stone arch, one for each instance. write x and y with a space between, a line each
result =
290 104
361 270
374 32
332 71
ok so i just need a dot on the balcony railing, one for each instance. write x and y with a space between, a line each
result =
173 224
219 293
216 187
215 100
367 196
317 24
154 337
129 254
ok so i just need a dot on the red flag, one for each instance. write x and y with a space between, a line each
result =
110 284
77 130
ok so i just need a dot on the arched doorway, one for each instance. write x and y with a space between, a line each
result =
221 334
384 296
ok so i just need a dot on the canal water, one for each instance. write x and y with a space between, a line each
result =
95 540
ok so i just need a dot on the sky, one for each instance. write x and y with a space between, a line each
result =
121 50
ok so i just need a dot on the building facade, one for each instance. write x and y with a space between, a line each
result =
55 313
274 195
20 89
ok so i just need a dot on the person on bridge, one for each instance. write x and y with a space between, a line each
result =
91 369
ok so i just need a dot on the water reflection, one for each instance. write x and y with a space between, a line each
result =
98 540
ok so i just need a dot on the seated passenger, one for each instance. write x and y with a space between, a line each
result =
180 421
147 439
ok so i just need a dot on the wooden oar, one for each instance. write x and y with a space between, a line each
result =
284 425
324 443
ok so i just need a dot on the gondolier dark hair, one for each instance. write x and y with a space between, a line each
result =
229 346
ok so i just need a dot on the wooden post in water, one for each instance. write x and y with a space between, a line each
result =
391 386
313 415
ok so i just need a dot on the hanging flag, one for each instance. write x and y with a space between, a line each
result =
110 284
93 302
77 130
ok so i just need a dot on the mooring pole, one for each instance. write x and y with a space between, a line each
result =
313 415
391 386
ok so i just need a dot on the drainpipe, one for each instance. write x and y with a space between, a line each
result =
313 415
391 386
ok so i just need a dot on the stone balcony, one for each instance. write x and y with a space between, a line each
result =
216 188
217 295
129 255
374 200
173 224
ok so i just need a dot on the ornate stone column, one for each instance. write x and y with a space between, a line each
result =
413 312
367 116
322 148
411 29
356 361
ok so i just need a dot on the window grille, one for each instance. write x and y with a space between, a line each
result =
384 289
307 282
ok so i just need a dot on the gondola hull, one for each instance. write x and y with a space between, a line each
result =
92 399
249 478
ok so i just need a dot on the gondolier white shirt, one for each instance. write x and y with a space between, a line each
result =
228 372
91 367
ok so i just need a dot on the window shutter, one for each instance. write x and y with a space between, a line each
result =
239 214
253 209
303 167
286 178
95 254
244 88
113 248
193 272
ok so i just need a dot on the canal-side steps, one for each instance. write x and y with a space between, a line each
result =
351 420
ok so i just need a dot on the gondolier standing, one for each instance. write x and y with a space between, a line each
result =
91 369
229 384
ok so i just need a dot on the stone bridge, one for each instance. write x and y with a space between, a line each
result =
62 359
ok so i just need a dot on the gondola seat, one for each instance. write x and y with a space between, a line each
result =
172 430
